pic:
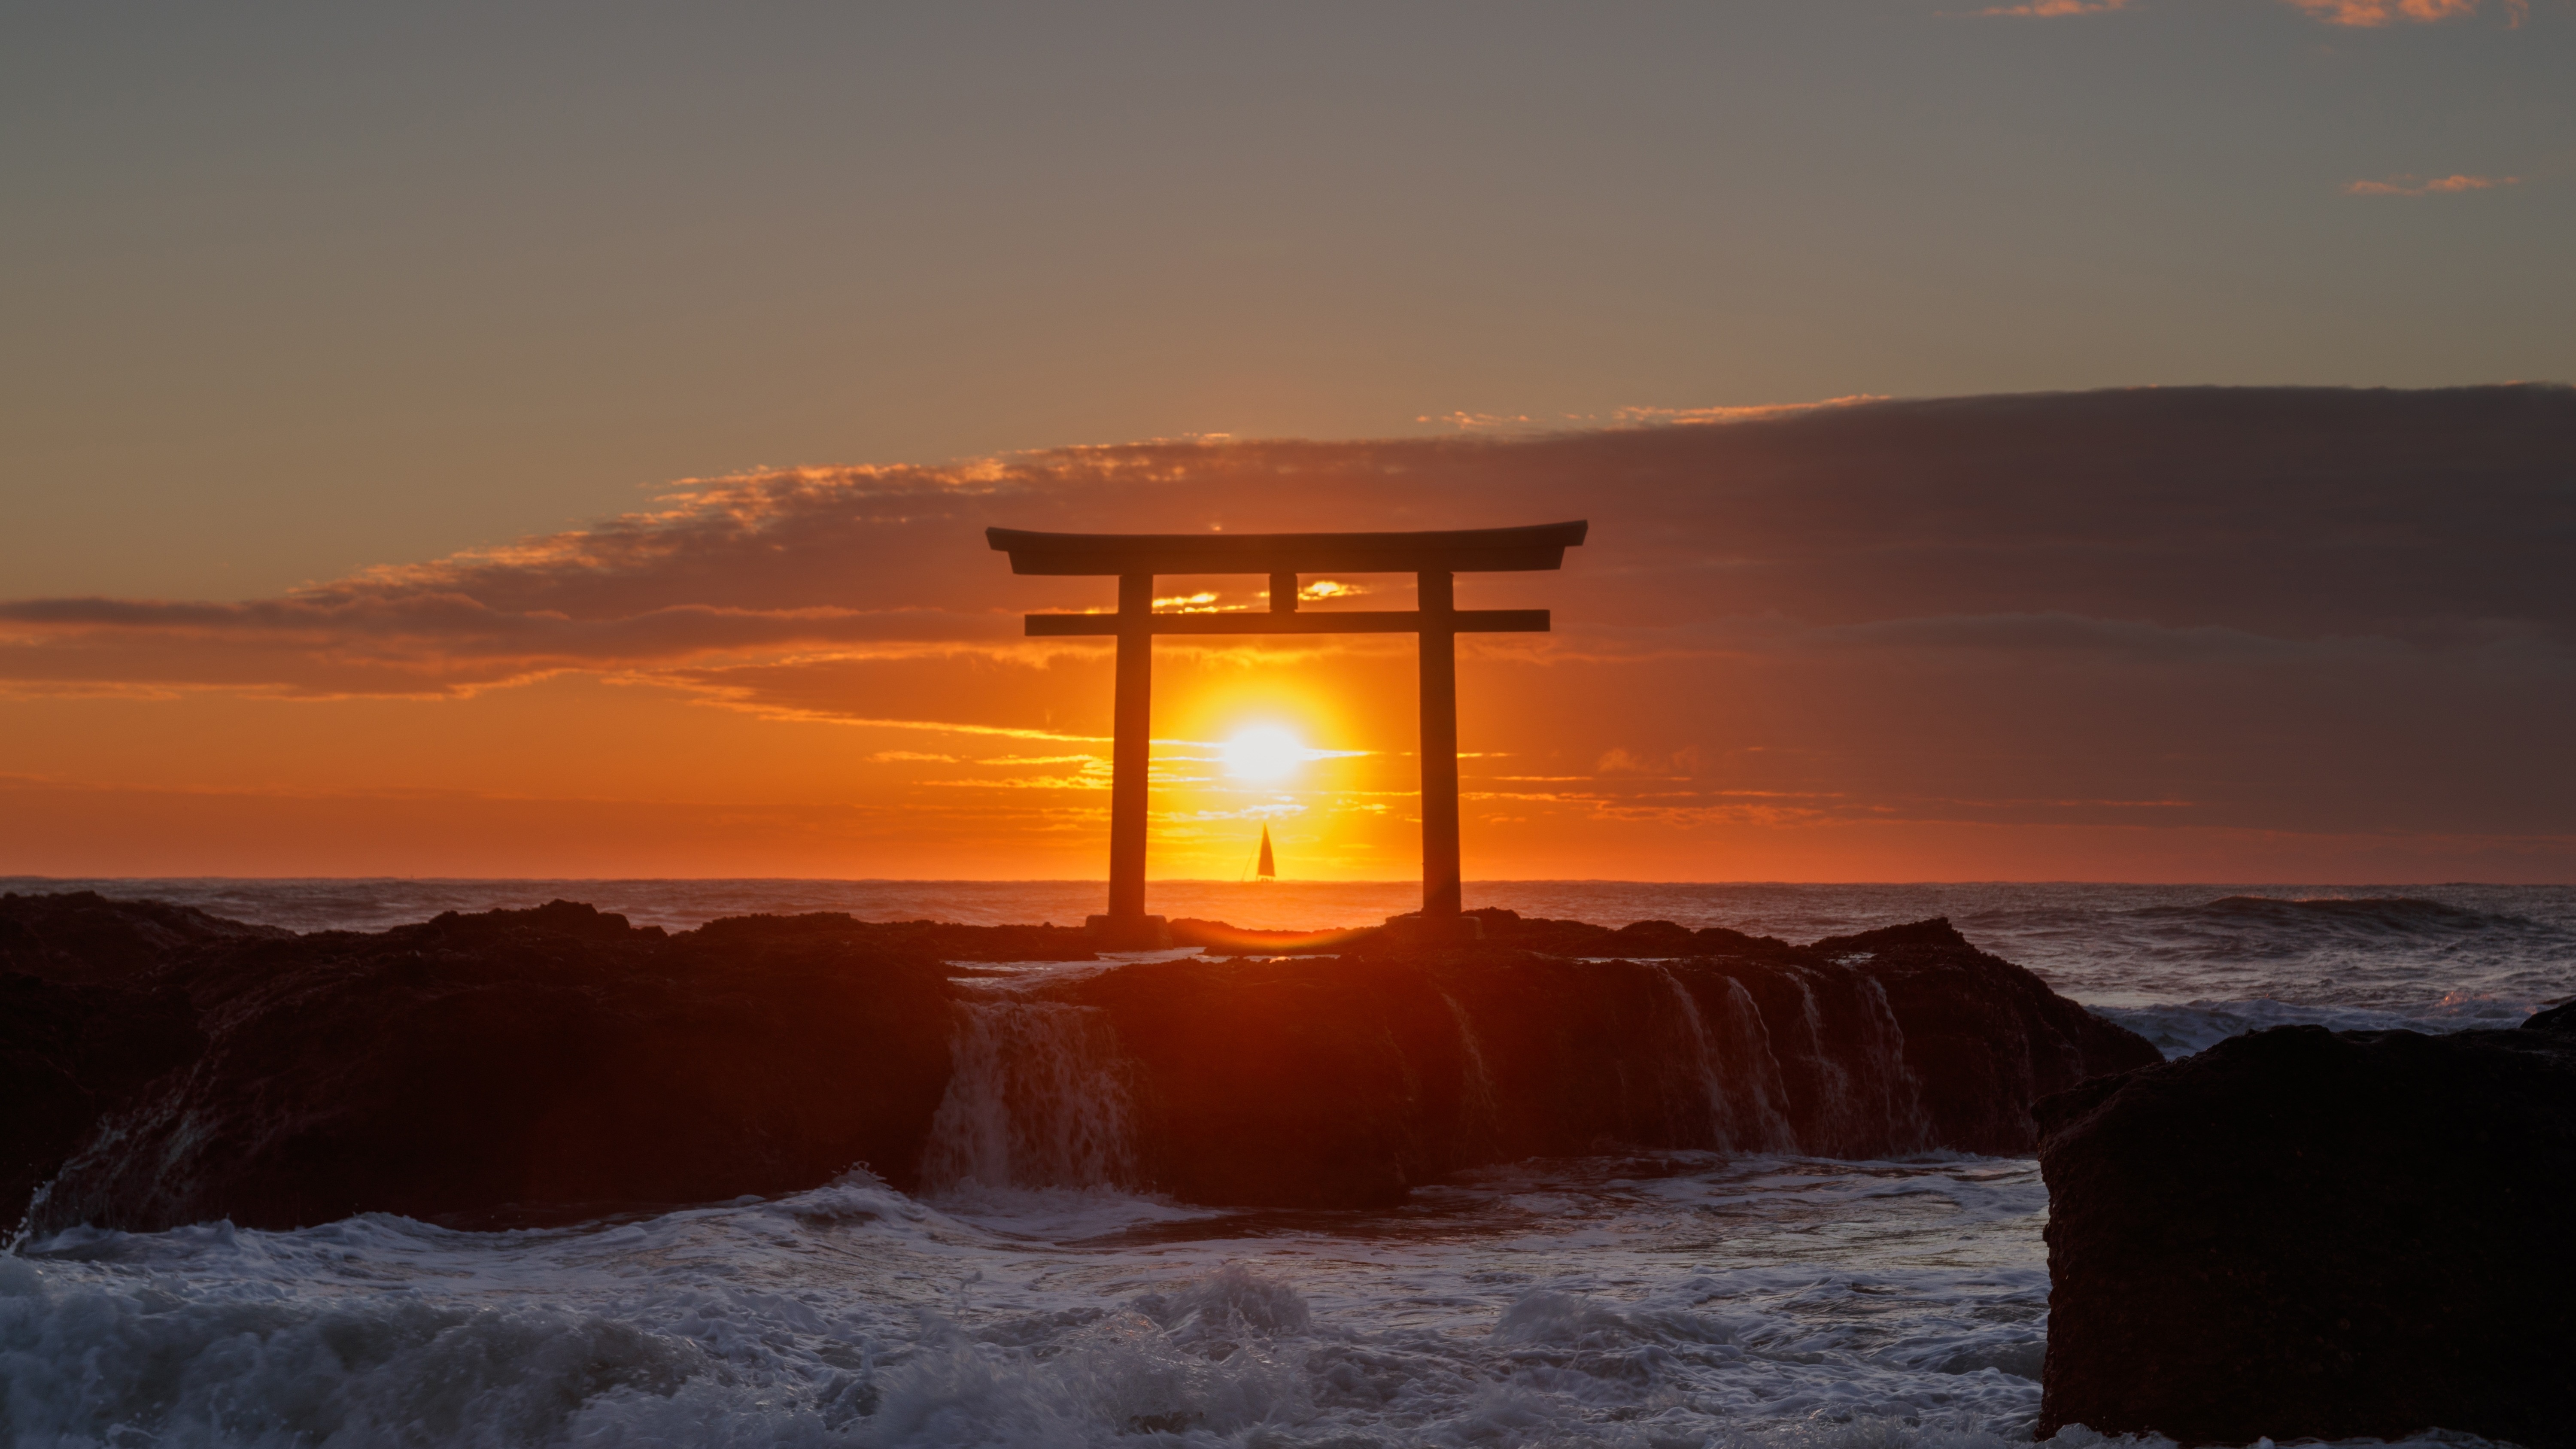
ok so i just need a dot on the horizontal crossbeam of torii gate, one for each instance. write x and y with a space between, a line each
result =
1435 559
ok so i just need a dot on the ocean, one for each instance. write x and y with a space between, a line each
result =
1647 1300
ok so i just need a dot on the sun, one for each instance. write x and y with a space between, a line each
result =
1263 754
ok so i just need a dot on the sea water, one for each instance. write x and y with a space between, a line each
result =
1024 1298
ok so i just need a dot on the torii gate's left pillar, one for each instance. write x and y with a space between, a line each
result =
1439 664
1131 762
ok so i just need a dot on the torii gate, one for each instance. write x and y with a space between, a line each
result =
1135 559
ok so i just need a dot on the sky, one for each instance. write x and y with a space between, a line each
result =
2055 441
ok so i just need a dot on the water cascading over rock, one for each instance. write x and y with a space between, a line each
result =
1037 1097
557 1063
1345 1081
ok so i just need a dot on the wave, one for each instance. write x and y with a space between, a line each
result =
2180 1029
1591 1305
2405 916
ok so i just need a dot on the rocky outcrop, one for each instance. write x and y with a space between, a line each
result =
2311 1234
1345 1081
557 1063
82 936
71 1055
1992 1035
1636 941
1499 930
521 1066
82 1026
942 940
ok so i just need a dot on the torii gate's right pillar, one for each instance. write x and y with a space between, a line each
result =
1438 597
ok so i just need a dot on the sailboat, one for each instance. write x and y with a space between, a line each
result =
1268 869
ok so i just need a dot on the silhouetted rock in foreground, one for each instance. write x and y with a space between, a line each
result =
1345 1081
1992 1036
2304 1233
520 1065
940 939
79 936
557 1063
1636 941
1501 930
69 1055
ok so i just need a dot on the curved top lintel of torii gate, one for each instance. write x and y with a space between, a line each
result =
1456 551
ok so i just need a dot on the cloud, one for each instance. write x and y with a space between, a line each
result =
2366 14
2261 513
1756 412
1526 425
2418 186
2372 14
2310 609
2051 9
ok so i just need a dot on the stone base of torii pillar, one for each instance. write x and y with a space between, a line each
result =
1416 929
1128 933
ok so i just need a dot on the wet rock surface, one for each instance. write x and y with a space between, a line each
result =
557 1063
82 936
1636 941
1345 1081
1497 929
515 1066
70 1054
2302 1233
1992 1036
942 940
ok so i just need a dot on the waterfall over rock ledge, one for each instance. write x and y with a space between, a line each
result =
1346 1081
558 1063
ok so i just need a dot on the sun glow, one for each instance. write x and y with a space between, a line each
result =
1264 753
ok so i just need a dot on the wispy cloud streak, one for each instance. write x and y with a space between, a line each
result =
2054 9
2358 14
2438 186
2372 14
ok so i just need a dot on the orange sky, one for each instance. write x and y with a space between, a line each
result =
2146 635
311 310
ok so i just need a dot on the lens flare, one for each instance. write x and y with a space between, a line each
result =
1263 754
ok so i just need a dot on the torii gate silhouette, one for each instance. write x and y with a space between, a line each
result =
1136 558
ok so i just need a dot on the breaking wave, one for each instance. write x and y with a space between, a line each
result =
2273 924
1032 1296
1780 1302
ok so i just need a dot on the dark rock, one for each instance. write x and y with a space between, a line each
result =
558 1063
2305 1233
1637 941
70 1054
545 1062
1498 929
81 1026
1992 1034
1220 939
84 936
1935 933
939 939
1345 1081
